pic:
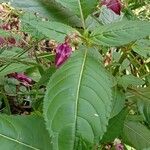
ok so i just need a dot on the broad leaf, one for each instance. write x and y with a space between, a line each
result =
23 133
137 135
142 97
15 60
115 127
129 80
108 16
47 8
13 67
49 29
77 104
144 108
118 101
79 7
120 33
142 47
45 77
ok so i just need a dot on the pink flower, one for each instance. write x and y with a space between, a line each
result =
63 52
6 26
2 41
7 40
11 40
26 81
1 8
114 5
119 146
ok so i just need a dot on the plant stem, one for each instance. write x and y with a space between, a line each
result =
81 13
18 55
120 62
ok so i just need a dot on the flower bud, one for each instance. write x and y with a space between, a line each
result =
24 80
63 52
114 5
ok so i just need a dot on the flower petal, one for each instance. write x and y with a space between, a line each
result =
114 5
63 52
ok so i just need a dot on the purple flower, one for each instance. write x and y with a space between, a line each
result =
26 81
114 5
63 52
2 41
11 41
119 146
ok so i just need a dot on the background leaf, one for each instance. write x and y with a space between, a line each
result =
49 29
137 135
142 97
142 47
108 16
120 33
47 8
118 101
115 127
144 108
77 104
23 133
129 80
87 6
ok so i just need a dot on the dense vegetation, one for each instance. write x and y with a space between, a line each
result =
75 75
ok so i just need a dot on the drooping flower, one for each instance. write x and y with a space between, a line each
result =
2 41
63 52
11 41
26 81
114 5
6 26
118 145
1 8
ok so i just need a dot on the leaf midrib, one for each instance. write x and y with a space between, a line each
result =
78 90
81 13
16 141
137 133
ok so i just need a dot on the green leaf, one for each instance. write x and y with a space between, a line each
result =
13 67
79 7
23 133
45 77
47 8
50 29
15 60
129 80
115 127
118 101
144 108
142 47
142 97
120 33
108 16
137 135
77 104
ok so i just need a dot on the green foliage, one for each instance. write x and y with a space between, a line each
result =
49 29
142 47
118 101
120 33
20 132
87 105
115 127
97 98
79 7
47 8
137 135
